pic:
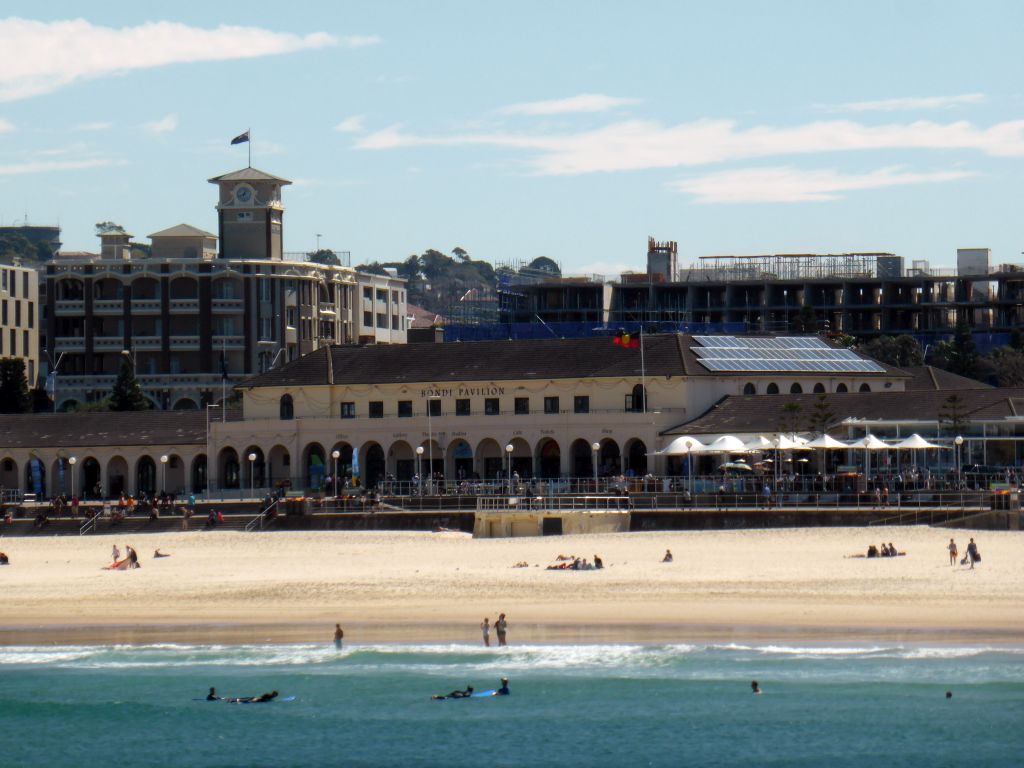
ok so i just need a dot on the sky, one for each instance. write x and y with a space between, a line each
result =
572 130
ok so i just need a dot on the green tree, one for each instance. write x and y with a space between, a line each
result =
1008 367
109 228
14 397
460 254
1017 340
790 421
127 395
900 351
325 256
963 354
40 400
93 406
953 414
821 416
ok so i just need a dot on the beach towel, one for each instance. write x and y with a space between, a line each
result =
120 565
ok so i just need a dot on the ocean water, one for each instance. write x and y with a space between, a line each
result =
590 705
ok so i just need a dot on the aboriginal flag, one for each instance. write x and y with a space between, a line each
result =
625 340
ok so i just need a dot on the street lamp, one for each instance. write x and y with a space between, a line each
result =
207 478
163 481
958 440
131 356
595 447
252 475
335 454
430 437
72 461
419 467
508 450
53 372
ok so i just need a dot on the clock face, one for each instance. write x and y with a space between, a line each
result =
243 194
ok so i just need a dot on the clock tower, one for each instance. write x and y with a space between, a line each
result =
250 215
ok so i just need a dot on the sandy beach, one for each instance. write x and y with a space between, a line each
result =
384 586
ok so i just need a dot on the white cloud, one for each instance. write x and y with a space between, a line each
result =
910 103
361 41
585 102
41 57
166 124
796 185
636 145
605 268
6 126
44 166
97 126
352 124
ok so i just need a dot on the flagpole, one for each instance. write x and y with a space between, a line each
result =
643 368
249 145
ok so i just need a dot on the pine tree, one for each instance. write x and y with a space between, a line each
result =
953 415
127 395
14 397
964 353
821 415
790 420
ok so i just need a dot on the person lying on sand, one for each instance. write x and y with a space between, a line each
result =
560 558
158 553
521 564
4 560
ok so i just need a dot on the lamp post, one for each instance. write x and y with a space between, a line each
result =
958 441
419 467
508 451
53 372
72 461
595 447
430 438
335 454
252 475
163 480
131 356
207 478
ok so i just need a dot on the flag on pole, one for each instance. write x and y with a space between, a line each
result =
241 138
625 340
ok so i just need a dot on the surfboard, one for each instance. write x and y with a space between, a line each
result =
483 694
279 698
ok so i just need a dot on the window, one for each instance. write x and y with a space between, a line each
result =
394 297
842 388
5 312
348 410
17 313
492 406
287 408
24 284
773 389
865 387
376 409
550 405
368 319
382 320
394 323
581 404
522 406
290 317
367 292
14 343
405 409
24 345
819 388
796 389
382 296
462 407
749 389
31 315
434 407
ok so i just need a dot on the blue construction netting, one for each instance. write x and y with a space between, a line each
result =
503 331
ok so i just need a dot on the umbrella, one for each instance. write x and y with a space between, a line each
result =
789 443
726 444
682 446
916 443
870 443
827 443
759 443
737 465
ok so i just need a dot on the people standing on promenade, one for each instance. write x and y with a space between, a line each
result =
339 635
485 628
501 627
952 552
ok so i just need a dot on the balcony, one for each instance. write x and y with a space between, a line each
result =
327 308
228 342
70 307
185 305
107 306
108 343
70 343
181 343
145 306
228 305
145 342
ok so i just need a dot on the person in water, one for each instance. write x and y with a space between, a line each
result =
754 687
339 635
212 695
263 697
457 694
503 691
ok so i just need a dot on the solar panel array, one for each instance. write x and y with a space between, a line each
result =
780 353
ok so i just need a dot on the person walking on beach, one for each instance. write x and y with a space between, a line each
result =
952 552
501 627
485 628
115 553
972 553
339 635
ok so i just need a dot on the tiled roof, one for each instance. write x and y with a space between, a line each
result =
71 430
182 230
763 414
595 357
930 377
248 174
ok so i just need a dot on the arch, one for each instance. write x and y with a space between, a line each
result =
255 473
70 289
609 458
773 389
70 404
314 466
35 477
489 458
197 473
841 387
549 458
185 404
639 397
582 458
749 388
459 459
796 389
344 460
145 288
172 476
107 289
90 478
183 287
819 388
145 475
636 457
286 408
117 476
228 469
865 387
9 473
372 465
226 287
433 458
279 467
522 457
402 460
60 477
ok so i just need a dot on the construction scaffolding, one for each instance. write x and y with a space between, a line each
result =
786 266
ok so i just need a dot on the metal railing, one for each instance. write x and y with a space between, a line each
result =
89 525
260 519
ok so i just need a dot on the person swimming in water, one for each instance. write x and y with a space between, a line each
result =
457 694
212 695
263 697
754 687
503 691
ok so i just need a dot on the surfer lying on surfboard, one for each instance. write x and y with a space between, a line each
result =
469 694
